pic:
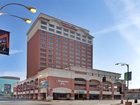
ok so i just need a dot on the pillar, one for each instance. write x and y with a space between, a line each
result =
101 91
112 90
72 95
87 89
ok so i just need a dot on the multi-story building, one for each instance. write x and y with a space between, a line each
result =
59 64
57 44
6 85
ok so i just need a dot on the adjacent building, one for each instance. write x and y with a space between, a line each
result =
59 64
134 93
6 85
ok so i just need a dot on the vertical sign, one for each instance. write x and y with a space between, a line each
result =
128 76
4 42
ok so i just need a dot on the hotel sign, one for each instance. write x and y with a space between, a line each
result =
4 42
62 82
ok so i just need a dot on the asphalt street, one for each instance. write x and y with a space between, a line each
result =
62 102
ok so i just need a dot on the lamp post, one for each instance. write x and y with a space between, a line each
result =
127 84
31 9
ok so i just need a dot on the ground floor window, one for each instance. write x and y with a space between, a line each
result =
117 96
94 96
107 97
80 96
60 96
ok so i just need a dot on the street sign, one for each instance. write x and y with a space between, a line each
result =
128 76
4 42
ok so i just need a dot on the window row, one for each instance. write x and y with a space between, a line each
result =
66 33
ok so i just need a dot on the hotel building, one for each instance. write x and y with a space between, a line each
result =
59 64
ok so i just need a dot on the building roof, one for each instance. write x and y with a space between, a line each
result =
10 77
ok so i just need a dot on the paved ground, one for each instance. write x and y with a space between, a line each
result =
61 102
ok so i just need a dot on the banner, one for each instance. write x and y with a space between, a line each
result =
128 76
4 42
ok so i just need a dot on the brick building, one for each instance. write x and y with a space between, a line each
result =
58 44
59 64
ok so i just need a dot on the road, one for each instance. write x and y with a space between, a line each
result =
61 102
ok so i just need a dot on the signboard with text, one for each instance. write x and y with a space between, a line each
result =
4 42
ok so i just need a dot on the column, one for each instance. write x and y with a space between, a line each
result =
101 91
87 89
112 89
72 94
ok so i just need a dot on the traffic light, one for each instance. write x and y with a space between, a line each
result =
104 79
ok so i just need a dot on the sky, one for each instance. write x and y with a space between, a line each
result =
115 24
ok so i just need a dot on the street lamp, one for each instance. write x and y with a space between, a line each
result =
127 65
24 19
31 9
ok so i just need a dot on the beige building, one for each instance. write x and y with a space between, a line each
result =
70 83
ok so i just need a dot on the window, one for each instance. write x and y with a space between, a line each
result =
84 40
78 38
49 60
43 54
90 38
59 32
59 28
65 55
50 29
78 34
90 42
51 25
72 36
42 50
65 59
42 64
43 22
72 32
66 30
71 57
78 61
58 62
43 45
43 59
71 60
43 27
65 34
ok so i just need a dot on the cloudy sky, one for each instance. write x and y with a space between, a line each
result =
115 24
